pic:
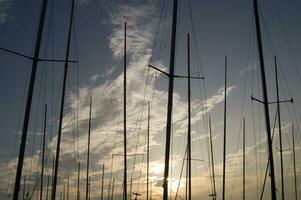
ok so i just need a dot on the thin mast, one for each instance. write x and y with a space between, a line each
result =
189 119
68 189
279 127
29 101
212 161
102 180
124 119
88 157
112 195
62 105
170 98
225 131
244 162
294 161
43 153
265 101
147 174
78 179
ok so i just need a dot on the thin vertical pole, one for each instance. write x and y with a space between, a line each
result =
68 189
225 132
64 192
244 161
124 120
47 189
102 180
212 161
78 179
265 100
294 160
62 105
43 153
280 131
189 119
88 157
112 195
29 101
147 167
170 98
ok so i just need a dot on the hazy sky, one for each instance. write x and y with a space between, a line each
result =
219 28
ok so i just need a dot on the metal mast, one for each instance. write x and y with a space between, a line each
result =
280 131
225 131
78 179
212 161
170 98
294 161
244 161
124 119
88 157
68 189
29 101
147 174
189 119
62 105
43 153
102 180
265 100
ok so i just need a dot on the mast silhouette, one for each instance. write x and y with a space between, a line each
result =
29 101
265 101
66 65
170 98
124 120
212 162
43 153
189 119
147 173
225 132
78 179
102 180
68 189
294 162
280 131
244 161
88 157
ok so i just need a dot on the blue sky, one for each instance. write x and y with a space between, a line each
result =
221 28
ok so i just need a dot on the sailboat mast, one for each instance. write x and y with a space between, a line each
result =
189 118
68 189
102 180
88 157
29 101
124 119
62 105
170 98
279 127
147 166
225 132
294 162
265 101
244 161
78 179
212 161
43 153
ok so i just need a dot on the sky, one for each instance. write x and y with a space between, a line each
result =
217 29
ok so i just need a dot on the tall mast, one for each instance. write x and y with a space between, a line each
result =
294 161
265 101
244 161
29 101
68 189
279 127
88 157
189 119
78 179
225 131
102 180
124 119
62 105
112 195
212 161
43 153
147 173
170 98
